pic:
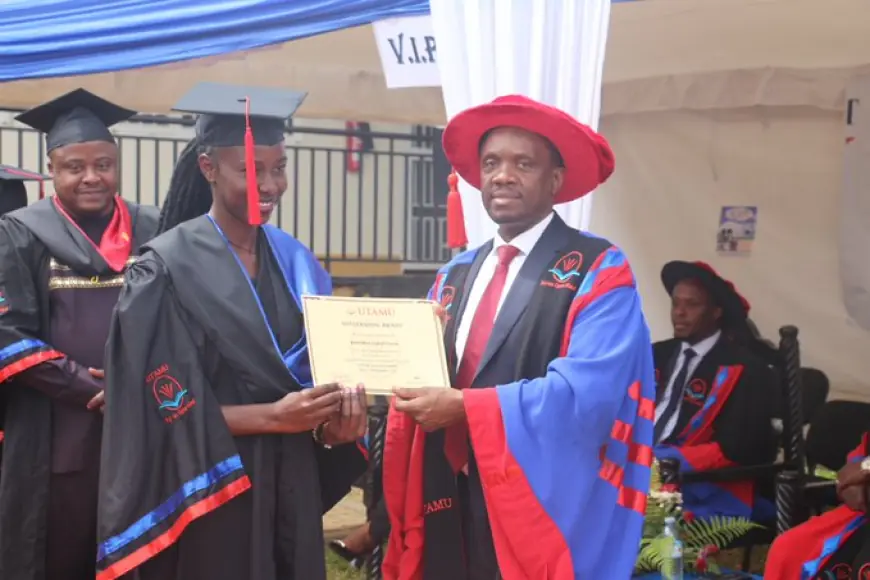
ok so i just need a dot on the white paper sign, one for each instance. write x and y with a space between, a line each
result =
407 49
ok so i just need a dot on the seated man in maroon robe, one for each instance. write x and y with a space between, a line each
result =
62 261
714 399
834 545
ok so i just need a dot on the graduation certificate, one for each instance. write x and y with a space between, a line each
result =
380 342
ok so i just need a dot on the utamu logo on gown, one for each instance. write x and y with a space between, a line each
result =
173 400
565 272
447 295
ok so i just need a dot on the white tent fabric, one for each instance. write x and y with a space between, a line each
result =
662 55
855 205
550 51
674 172
706 103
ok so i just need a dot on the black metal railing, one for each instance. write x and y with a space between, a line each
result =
380 204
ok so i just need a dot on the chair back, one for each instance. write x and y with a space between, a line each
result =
815 387
835 431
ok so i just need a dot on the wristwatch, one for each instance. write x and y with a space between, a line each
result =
317 433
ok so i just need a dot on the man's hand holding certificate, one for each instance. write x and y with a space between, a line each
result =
381 343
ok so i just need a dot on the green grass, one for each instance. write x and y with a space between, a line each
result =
337 569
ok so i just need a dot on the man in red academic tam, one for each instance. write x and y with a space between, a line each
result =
536 465
714 398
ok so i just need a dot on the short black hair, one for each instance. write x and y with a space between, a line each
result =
189 195
555 156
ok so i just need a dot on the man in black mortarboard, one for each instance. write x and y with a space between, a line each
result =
219 455
62 261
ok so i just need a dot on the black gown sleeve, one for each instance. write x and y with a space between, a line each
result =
744 428
168 457
25 357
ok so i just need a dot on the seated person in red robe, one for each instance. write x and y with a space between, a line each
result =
714 399
833 545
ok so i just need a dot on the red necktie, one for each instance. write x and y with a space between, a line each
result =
456 437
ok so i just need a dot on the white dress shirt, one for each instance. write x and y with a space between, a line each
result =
524 242
701 350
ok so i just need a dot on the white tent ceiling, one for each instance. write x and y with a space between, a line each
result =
709 103
662 55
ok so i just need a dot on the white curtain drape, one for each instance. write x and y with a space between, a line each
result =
548 50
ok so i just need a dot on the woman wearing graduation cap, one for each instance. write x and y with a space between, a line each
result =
61 265
219 456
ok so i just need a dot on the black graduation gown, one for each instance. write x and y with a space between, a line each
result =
743 427
724 419
189 337
58 293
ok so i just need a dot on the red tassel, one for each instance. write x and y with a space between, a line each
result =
456 237
41 189
251 169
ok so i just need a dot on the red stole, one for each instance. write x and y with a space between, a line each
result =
117 241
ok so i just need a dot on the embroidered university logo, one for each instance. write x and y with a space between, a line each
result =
447 295
696 392
565 271
173 400
841 572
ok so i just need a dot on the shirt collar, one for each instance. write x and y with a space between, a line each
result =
526 240
705 346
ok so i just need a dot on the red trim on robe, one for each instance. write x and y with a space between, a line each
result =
117 241
527 541
704 433
28 362
403 494
170 536
639 454
608 280
792 549
859 452
704 454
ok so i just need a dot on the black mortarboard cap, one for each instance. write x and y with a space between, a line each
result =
236 116
76 117
222 107
13 194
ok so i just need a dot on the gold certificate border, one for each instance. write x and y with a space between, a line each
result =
437 329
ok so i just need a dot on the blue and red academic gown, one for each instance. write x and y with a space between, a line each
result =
724 420
560 448
804 551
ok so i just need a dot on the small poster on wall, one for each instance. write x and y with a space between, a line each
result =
736 231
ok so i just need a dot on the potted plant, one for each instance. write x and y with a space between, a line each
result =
702 538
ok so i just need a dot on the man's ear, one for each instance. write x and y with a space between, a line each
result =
558 179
